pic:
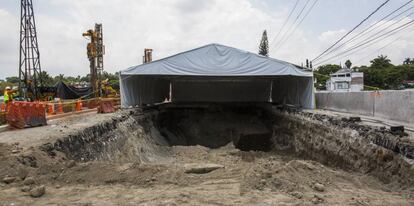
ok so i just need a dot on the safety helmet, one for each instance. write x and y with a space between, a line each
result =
8 88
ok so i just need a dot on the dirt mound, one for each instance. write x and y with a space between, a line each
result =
143 158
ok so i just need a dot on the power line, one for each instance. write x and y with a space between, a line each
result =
297 26
376 51
347 34
373 26
367 44
374 35
372 41
286 21
297 18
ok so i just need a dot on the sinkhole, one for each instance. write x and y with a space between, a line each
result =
248 128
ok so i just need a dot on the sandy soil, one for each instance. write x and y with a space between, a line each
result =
56 128
247 178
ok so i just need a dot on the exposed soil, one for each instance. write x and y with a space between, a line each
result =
142 158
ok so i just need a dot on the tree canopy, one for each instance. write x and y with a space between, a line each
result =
380 74
381 62
322 75
50 81
348 64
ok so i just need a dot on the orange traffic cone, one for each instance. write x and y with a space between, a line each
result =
78 106
50 109
60 107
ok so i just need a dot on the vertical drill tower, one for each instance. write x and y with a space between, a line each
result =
95 52
29 59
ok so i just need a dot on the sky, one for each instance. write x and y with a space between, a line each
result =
173 26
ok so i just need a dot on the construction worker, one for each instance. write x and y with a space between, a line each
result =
8 96
108 90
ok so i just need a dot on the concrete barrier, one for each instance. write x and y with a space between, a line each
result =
393 105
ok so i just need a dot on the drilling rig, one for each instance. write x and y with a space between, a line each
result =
95 52
29 60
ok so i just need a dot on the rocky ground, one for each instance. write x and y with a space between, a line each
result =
129 163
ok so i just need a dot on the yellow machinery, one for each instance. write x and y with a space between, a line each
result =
95 51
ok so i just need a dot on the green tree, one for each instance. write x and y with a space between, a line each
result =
322 74
47 80
264 45
60 77
407 61
348 64
13 80
381 62
86 78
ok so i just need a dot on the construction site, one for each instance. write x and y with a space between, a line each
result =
214 125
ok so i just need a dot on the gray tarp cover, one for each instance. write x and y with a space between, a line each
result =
217 73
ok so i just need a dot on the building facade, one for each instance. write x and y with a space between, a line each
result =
346 80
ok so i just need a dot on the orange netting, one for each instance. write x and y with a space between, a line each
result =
26 114
31 114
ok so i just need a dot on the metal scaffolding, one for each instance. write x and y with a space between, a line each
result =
29 60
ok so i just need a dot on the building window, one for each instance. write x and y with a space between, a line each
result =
342 75
342 85
348 75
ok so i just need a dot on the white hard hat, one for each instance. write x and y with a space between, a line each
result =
7 88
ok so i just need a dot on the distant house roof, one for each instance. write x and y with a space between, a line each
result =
343 71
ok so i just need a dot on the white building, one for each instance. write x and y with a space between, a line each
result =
346 80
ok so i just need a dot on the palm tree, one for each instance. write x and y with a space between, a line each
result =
408 61
381 62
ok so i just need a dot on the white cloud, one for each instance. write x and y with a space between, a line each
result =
331 36
167 26
130 26
9 43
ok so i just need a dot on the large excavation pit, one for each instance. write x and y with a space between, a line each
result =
248 128
217 154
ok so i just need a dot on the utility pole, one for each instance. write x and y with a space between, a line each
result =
29 58
95 51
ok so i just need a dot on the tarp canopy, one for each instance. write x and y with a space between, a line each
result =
63 91
217 73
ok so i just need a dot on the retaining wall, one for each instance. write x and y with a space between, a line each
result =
393 105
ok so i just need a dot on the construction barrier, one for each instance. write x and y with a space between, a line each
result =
2 107
31 114
3 118
26 114
106 106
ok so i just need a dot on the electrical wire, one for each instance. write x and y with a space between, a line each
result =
352 30
374 26
297 26
286 21
372 41
374 35
378 50
296 20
